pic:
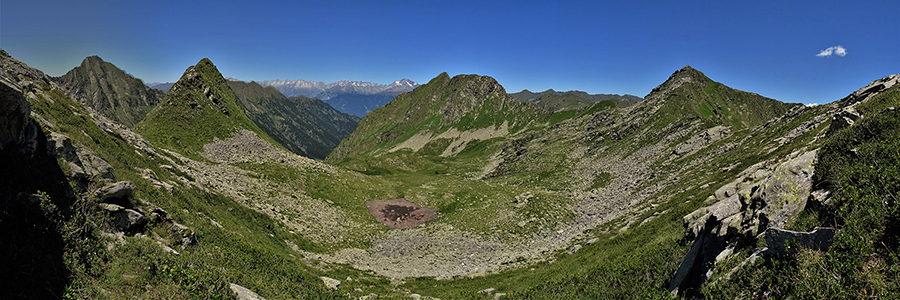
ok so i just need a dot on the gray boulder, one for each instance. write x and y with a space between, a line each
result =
119 193
188 237
123 219
330 282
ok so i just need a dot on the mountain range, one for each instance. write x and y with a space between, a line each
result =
353 97
454 190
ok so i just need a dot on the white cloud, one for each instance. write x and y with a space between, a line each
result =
839 50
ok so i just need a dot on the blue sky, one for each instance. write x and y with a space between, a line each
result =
767 47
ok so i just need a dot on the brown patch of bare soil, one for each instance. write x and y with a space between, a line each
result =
400 213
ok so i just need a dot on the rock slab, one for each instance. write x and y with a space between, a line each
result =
243 293
779 240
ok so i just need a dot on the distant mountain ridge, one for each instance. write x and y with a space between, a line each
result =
353 97
110 90
326 91
162 86
571 100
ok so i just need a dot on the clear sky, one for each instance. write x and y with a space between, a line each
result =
625 47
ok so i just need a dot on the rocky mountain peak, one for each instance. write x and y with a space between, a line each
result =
109 90
442 78
687 74
91 59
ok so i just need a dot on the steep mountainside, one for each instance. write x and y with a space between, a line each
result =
572 100
305 126
198 108
441 109
352 97
109 90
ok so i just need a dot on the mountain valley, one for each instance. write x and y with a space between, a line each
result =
246 189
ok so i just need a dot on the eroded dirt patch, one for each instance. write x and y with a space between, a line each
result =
400 213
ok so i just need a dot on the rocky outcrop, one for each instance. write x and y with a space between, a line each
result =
124 219
14 111
847 115
767 195
843 119
81 165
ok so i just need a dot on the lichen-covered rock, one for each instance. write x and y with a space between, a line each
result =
330 282
766 195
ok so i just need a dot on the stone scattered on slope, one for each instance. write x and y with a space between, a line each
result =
702 140
243 293
330 282
118 192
